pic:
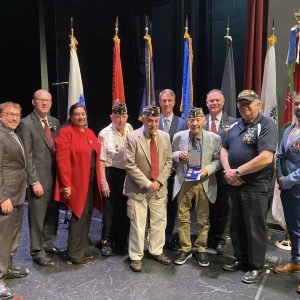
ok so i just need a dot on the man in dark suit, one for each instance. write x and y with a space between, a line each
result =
171 124
37 132
218 121
12 194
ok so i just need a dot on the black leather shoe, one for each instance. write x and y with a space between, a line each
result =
235 266
5 292
44 261
253 276
172 245
220 248
53 250
16 272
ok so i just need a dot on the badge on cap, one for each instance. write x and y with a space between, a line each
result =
195 112
248 95
119 108
151 111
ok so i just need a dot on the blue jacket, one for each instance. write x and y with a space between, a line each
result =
288 163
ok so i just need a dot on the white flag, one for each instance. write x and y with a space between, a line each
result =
75 92
268 90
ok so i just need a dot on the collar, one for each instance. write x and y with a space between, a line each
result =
198 136
218 117
170 117
41 119
254 122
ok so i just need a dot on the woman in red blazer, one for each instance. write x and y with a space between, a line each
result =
78 180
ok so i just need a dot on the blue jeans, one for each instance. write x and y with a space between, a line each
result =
291 208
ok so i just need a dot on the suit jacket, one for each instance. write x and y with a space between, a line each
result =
12 169
73 159
138 164
178 124
225 123
288 163
40 159
211 146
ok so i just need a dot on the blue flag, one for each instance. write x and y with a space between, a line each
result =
148 94
187 78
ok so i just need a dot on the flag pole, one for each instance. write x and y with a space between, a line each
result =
117 26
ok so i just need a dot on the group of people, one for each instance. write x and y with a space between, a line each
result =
144 180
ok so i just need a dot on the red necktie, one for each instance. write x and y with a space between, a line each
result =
48 134
154 159
213 127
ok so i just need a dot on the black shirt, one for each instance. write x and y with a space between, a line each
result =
245 141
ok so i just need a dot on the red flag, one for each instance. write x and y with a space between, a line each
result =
117 83
287 117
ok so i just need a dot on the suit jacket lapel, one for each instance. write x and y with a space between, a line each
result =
40 129
144 144
206 126
160 147
174 126
223 120
205 148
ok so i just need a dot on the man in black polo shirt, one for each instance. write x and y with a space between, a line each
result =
247 157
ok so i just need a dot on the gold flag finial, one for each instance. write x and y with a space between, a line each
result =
117 26
297 16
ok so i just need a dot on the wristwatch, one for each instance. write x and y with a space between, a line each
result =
237 173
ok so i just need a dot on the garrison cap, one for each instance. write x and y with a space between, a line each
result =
195 112
151 111
119 108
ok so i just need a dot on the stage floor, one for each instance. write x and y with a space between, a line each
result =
111 278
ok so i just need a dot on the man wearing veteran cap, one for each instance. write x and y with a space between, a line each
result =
148 166
247 156
197 154
112 167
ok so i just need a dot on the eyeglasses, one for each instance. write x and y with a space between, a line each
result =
11 115
43 100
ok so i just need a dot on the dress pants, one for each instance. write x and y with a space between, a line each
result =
115 219
171 208
10 233
78 242
219 214
43 214
137 213
291 208
192 190
248 226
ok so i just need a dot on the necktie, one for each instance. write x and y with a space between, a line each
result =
48 134
166 125
194 143
292 134
213 127
154 158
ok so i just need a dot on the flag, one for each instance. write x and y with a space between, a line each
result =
75 92
268 90
228 80
288 115
148 94
117 82
187 77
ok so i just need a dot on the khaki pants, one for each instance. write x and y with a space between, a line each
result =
192 190
137 212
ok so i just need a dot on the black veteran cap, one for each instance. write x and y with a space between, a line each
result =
119 108
151 111
248 95
195 112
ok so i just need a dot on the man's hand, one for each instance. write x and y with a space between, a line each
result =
203 173
6 207
105 189
154 186
280 181
184 155
67 192
232 178
38 189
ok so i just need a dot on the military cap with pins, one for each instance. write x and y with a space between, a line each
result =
119 108
151 111
195 112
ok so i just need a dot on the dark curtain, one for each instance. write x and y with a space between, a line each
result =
255 43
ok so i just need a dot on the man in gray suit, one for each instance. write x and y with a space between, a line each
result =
218 121
171 124
148 166
37 132
12 194
197 153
